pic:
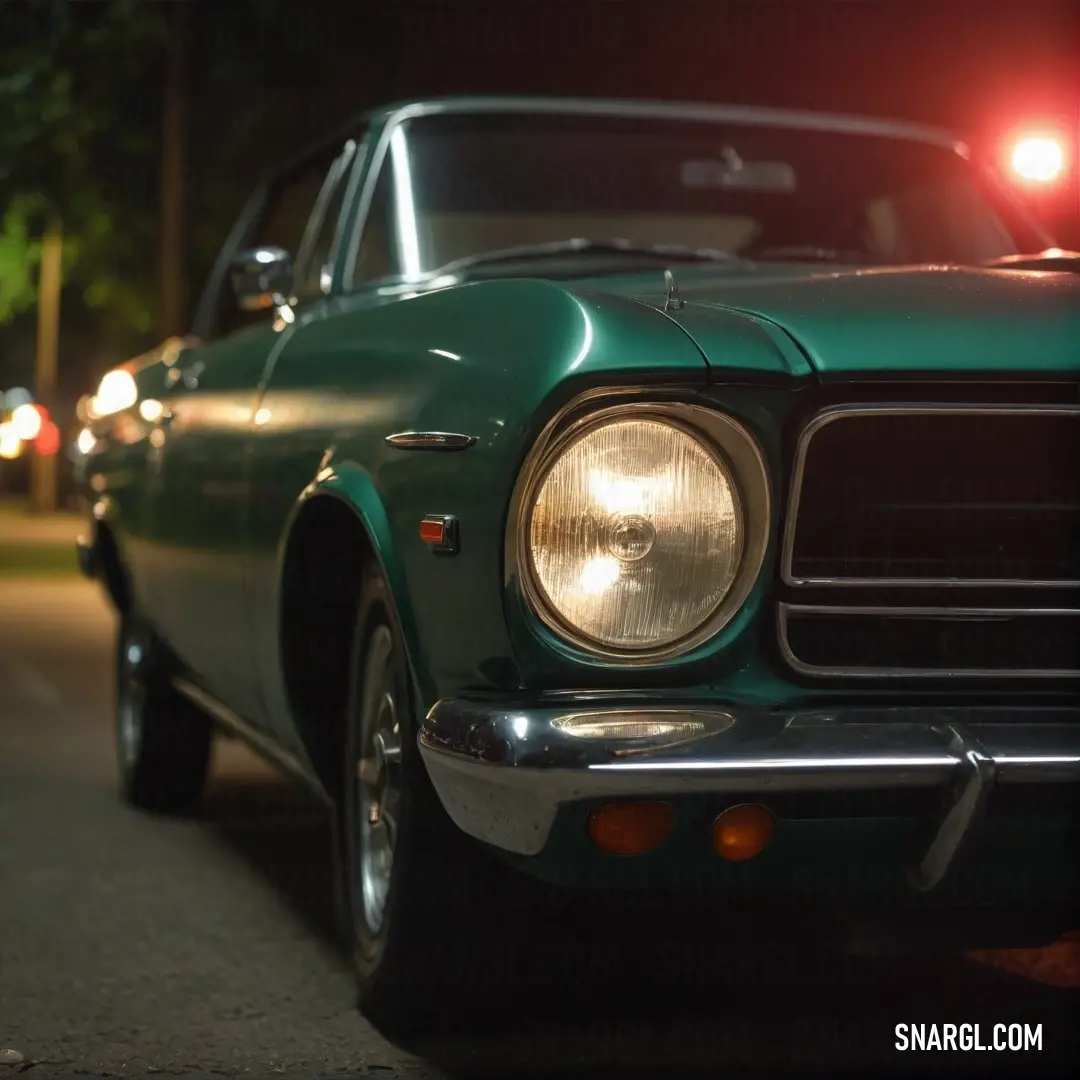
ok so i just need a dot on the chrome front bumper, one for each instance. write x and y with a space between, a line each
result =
503 773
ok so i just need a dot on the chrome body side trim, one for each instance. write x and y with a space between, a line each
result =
785 611
262 745
430 440
503 772
839 412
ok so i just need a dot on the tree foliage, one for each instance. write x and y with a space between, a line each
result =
80 96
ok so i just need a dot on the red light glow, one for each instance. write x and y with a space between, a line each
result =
432 532
1038 158
48 439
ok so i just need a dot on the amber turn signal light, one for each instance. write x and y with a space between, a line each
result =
742 832
632 828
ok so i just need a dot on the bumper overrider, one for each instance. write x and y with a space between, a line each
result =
503 773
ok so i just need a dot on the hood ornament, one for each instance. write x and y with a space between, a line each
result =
674 303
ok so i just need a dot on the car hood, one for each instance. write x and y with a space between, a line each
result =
898 320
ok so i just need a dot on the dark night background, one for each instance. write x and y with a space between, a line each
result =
265 78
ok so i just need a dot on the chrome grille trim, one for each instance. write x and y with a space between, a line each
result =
838 412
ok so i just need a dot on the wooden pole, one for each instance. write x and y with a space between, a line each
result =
43 488
174 124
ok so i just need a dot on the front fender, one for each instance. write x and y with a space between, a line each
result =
493 361
352 485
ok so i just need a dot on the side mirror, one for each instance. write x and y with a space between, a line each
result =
262 278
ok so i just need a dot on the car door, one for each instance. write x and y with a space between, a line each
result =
202 456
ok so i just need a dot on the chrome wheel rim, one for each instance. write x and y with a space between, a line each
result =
378 779
131 699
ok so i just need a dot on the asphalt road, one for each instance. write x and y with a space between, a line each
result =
130 944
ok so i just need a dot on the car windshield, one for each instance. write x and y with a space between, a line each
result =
469 184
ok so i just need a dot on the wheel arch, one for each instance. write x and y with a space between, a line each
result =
337 534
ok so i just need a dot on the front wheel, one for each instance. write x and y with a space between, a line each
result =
162 740
417 896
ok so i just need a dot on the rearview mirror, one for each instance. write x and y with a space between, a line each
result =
730 171
262 278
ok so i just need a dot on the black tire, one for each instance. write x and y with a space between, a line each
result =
445 892
162 740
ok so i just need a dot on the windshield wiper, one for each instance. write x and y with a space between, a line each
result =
581 246
808 253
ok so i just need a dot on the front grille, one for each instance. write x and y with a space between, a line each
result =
973 509
936 642
935 495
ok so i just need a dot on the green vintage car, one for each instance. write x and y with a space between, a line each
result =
619 495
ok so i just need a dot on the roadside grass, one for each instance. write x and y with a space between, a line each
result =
37 560
36 547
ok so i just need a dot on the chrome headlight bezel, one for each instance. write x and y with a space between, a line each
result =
726 440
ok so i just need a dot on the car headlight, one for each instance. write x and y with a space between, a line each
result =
116 391
645 529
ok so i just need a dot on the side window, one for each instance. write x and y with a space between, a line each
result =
375 257
290 207
314 263
281 222
205 325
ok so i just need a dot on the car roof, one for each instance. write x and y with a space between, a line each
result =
704 112
701 112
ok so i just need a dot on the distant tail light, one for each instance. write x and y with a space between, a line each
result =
1038 159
